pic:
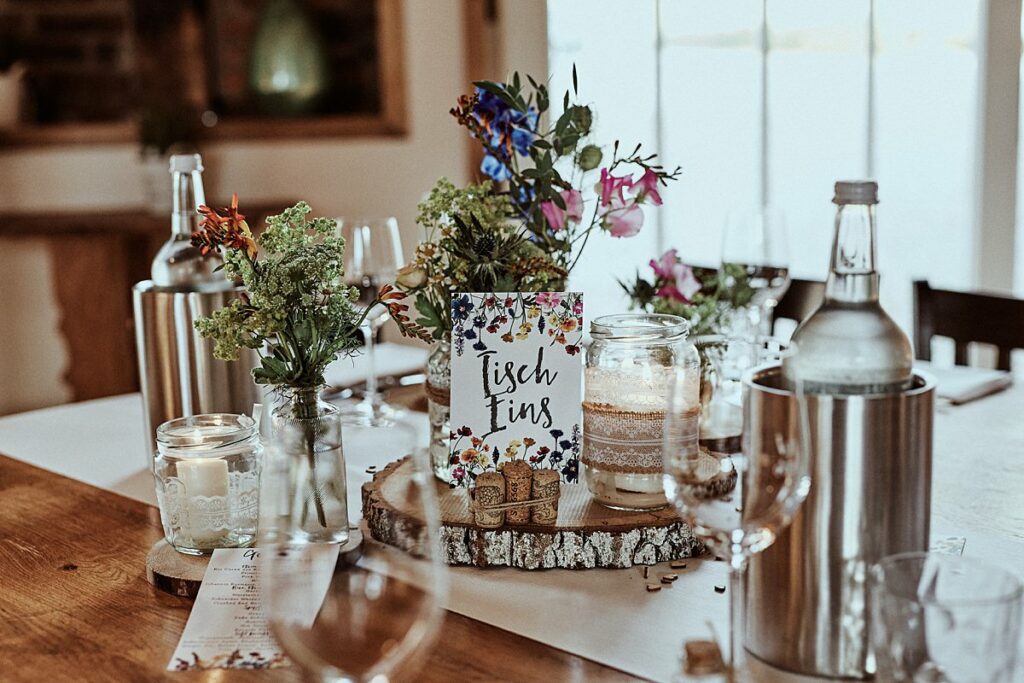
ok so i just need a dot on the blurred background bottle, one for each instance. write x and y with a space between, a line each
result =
179 265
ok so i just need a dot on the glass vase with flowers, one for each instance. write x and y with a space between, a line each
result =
299 317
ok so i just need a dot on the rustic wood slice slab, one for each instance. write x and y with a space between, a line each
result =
173 572
586 535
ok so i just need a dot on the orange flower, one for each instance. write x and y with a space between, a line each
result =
226 227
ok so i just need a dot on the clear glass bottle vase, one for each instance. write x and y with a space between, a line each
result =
310 502
439 382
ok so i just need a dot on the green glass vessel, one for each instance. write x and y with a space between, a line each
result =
288 72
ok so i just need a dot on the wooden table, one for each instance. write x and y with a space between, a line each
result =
75 603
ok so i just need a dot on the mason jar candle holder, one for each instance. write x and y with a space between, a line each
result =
630 367
207 470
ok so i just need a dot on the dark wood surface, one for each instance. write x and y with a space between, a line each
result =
97 257
75 603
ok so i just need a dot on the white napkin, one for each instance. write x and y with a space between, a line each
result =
961 383
392 360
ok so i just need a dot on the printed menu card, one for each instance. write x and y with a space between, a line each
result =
228 628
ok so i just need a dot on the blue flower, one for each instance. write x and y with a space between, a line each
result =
480 346
509 129
469 334
556 433
565 444
479 321
494 169
461 307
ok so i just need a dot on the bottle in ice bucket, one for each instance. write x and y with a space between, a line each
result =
850 345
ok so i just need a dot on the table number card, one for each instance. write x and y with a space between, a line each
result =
516 382
227 628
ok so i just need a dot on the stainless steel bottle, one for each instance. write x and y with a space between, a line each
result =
871 447
179 375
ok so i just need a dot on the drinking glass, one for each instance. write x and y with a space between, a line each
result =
939 618
380 609
738 502
373 255
724 360
755 250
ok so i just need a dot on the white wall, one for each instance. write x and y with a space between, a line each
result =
368 176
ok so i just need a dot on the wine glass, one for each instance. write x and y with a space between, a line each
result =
737 502
363 614
373 255
755 257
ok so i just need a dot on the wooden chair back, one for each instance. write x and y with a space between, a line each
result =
800 300
967 317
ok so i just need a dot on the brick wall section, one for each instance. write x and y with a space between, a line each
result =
79 55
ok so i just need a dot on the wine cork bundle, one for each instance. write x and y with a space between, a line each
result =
516 495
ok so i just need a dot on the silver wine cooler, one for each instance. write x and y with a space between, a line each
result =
179 375
870 497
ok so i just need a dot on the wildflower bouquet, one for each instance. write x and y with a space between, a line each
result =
549 186
295 312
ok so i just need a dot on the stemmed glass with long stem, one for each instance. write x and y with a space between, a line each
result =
754 245
346 616
373 255
737 502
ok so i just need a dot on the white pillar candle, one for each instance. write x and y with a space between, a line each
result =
206 479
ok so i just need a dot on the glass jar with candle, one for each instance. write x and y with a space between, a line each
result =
207 470
628 374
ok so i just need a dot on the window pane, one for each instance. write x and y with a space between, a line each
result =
817 117
711 99
614 52
926 102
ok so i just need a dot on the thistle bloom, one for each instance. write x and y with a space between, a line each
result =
558 217
646 188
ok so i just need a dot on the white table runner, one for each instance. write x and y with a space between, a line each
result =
603 615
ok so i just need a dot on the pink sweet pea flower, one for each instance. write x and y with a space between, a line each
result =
557 217
678 280
646 188
554 214
663 266
611 188
623 220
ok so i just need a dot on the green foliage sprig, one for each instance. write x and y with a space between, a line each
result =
295 311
